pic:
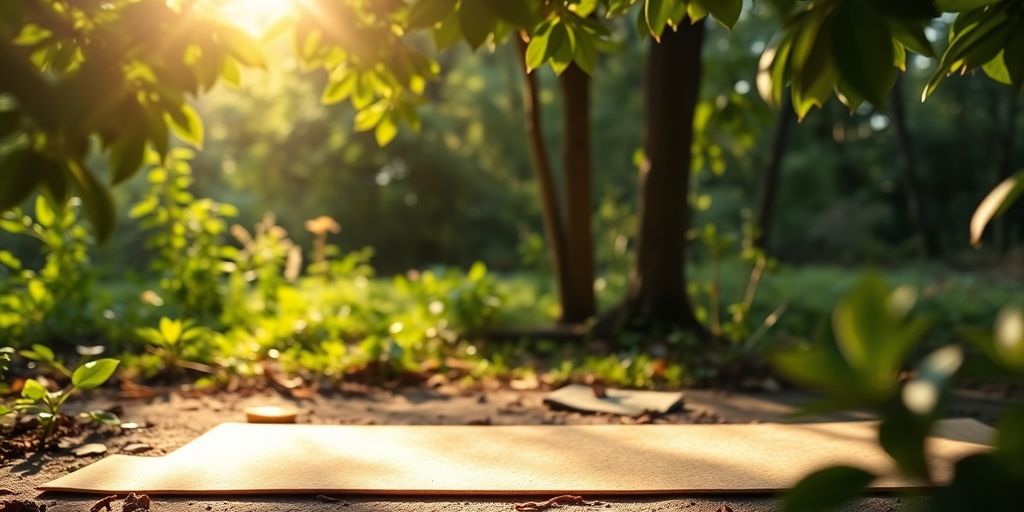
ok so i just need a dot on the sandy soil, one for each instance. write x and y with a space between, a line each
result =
169 420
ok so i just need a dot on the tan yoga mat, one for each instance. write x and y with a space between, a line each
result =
513 460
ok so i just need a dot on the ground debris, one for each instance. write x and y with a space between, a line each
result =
132 503
135 503
21 506
103 503
724 508
556 502
86 450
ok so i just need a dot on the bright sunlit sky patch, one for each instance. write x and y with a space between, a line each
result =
253 16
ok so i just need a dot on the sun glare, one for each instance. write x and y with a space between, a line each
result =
254 16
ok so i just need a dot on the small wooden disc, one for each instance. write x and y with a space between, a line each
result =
271 414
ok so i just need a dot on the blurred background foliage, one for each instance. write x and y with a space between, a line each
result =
225 237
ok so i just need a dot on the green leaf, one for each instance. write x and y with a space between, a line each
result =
996 70
585 54
911 35
560 48
537 50
902 435
826 489
657 14
99 206
962 5
427 13
33 390
1007 345
4 410
18 177
386 130
1009 441
726 12
242 47
477 21
94 373
906 9
44 212
995 204
187 125
515 12
863 49
1013 58
126 157
339 88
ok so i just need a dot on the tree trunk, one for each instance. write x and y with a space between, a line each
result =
551 212
579 304
911 184
1003 228
657 296
770 177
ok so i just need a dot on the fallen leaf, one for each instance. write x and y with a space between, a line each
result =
86 450
131 390
136 448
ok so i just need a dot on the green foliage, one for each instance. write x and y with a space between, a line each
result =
53 301
987 35
186 234
995 204
46 405
119 72
872 332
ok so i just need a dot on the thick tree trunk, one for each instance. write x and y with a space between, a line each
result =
770 176
550 210
657 293
911 183
579 304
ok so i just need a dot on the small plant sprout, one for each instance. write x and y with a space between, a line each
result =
46 405
170 338
5 359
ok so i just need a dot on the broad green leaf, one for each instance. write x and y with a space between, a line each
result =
1009 441
242 47
187 125
537 50
863 49
826 489
4 410
995 204
427 13
339 88
94 373
996 70
962 5
477 21
726 12
170 330
560 48
1013 57
45 214
902 435
657 14
369 117
33 389
99 206
126 157
911 35
386 130
515 12
585 54
19 176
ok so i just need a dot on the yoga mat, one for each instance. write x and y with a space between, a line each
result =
625 402
513 460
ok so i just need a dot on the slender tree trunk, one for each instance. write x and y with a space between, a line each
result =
916 209
657 294
551 212
579 304
770 176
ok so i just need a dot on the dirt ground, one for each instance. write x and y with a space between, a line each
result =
170 419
